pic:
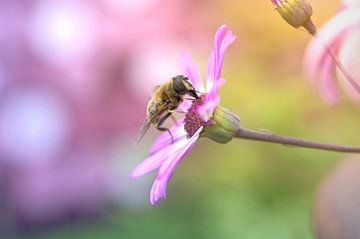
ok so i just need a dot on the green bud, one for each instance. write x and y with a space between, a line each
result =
297 13
226 125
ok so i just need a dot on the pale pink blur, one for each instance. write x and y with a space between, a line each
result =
342 34
71 101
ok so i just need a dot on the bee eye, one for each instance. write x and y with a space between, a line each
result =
178 86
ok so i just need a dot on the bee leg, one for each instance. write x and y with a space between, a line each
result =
162 119
191 99
168 130
160 122
174 119
177 111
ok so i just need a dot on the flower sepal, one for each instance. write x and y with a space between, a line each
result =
297 13
226 125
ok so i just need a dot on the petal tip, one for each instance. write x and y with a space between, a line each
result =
134 175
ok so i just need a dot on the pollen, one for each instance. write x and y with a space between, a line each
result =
193 120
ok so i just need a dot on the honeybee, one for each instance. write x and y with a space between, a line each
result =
166 98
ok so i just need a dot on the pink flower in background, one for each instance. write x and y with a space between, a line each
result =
79 187
342 35
277 3
66 79
350 2
165 155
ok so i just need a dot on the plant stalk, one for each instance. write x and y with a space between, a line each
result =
249 134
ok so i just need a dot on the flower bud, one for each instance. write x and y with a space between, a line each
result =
226 125
297 13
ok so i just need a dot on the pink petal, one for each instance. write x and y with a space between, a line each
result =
330 35
157 192
213 93
348 3
155 160
277 3
169 165
184 106
189 69
164 139
327 86
223 39
349 53
211 102
151 163
166 170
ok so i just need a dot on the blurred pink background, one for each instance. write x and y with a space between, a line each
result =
75 77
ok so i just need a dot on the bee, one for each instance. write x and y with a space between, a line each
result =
166 98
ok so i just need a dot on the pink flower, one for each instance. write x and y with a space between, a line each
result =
277 3
165 155
350 2
342 35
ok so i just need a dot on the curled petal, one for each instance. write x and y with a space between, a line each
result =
277 3
158 191
155 160
212 101
189 69
164 139
166 170
169 165
223 39
327 86
347 3
349 53
330 35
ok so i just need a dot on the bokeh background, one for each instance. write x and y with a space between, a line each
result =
75 77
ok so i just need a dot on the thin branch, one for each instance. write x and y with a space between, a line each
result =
243 133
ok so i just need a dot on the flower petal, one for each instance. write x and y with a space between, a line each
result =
348 3
169 165
157 192
184 106
349 54
212 100
327 86
164 139
330 35
277 3
155 160
189 69
223 39
166 170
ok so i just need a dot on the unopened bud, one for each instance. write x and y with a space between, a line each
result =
226 125
297 13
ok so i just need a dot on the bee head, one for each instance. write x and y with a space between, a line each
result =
182 86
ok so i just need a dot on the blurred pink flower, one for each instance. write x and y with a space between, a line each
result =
166 155
350 2
68 190
66 75
64 34
277 3
342 35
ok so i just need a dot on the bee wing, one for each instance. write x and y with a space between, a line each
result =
155 88
145 127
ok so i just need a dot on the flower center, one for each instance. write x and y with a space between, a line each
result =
193 120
